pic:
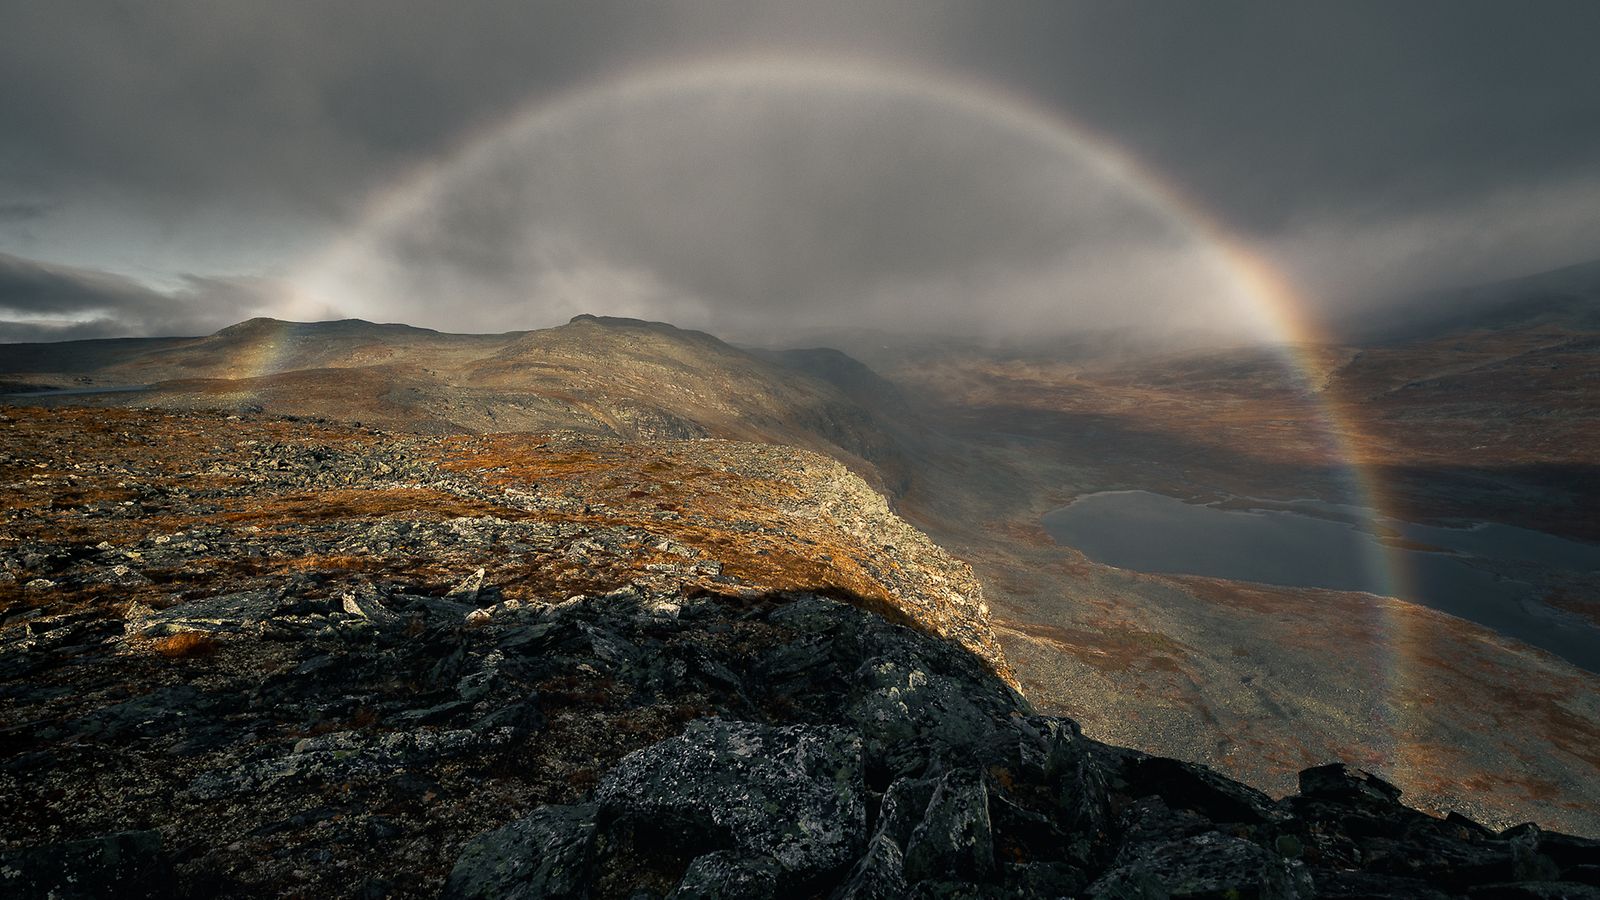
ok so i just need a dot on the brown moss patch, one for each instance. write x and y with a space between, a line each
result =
356 503
1108 648
186 645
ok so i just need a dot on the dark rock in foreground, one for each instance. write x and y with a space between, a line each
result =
129 864
836 755
941 782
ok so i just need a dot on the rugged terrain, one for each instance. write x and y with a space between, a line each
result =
973 444
251 655
624 377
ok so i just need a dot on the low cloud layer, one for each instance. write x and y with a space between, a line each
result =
42 302
1367 262
1368 149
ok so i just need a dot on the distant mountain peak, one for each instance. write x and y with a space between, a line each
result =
267 324
621 322
251 325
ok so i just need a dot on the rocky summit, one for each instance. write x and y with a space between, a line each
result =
264 656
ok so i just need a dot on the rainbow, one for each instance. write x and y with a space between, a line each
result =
1269 301
1275 309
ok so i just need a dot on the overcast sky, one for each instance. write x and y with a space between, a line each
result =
174 166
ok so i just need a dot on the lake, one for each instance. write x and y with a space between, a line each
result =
1474 572
74 391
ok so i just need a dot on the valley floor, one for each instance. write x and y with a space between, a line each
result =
1253 679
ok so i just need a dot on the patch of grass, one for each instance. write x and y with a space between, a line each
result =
186 645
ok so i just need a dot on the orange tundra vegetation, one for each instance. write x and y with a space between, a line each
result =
167 477
186 644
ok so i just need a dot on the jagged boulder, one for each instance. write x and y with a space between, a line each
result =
1204 866
879 875
955 839
227 614
544 855
1336 782
792 794
1191 786
911 715
727 875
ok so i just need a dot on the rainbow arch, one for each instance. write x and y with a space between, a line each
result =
1275 308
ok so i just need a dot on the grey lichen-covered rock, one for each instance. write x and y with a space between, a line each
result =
365 603
955 840
1204 866
980 795
129 864
904 805
131 716
794 793
344 756
879 875
466 591
1043 879
229 613
545 855
725 875
910 715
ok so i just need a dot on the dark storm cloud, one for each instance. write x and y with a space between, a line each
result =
39 301
28 287
1270 111
40 332
749 200
307 102
1370 147
23 212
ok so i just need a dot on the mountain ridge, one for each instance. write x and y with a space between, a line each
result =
1565 298
625 377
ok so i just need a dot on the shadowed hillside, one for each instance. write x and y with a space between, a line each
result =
622 377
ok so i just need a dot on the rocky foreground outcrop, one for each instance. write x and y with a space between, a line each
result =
264 657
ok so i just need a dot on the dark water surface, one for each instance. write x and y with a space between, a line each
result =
66 392
1486 573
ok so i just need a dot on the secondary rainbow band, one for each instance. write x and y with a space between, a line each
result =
1270 303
